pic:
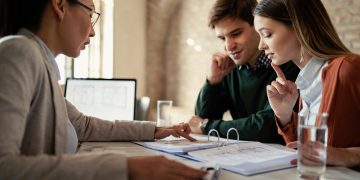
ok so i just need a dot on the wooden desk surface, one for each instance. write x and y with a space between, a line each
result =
130 149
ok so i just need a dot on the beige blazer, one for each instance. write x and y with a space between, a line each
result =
33 121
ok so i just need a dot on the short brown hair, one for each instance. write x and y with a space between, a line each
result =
235 9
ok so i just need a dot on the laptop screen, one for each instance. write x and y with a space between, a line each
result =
108 99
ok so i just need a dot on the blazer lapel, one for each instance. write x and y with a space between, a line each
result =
60 112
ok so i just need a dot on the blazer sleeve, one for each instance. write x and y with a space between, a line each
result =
94 129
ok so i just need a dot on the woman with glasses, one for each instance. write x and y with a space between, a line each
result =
39 129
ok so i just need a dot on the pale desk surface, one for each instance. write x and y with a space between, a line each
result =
131 149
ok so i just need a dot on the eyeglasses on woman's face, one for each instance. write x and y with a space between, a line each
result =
94 14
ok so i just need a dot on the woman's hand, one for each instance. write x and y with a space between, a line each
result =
159 167
349 157
310 154
183 129
282 95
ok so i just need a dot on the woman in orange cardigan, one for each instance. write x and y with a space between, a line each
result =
328 80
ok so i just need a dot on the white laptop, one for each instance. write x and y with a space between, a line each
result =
108 99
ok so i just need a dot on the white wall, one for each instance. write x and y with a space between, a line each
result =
129 41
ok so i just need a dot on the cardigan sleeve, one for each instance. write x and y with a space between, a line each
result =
289 131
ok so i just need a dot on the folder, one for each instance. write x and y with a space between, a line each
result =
242 157
246 158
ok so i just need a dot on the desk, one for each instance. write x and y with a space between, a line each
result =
130 149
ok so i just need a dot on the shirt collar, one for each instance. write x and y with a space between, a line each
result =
262 62
308 74
47 51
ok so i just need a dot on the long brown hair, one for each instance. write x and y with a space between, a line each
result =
311 23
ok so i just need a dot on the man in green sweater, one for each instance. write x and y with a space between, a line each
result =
237 79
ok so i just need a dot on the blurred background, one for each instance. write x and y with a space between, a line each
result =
166 45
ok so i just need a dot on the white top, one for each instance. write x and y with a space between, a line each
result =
310 85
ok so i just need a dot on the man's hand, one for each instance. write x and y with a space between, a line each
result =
159 167
221 65
195 123
183 129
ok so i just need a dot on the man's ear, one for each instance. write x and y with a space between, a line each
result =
59 8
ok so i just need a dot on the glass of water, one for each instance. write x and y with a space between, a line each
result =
164 113
312 145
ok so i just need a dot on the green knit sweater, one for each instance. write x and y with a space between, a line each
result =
243 93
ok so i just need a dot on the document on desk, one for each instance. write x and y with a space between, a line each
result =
246 158
181 145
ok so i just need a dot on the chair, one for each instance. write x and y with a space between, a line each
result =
142 108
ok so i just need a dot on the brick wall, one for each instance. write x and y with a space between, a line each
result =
176 69
345 15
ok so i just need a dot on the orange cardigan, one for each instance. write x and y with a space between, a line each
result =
341 99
